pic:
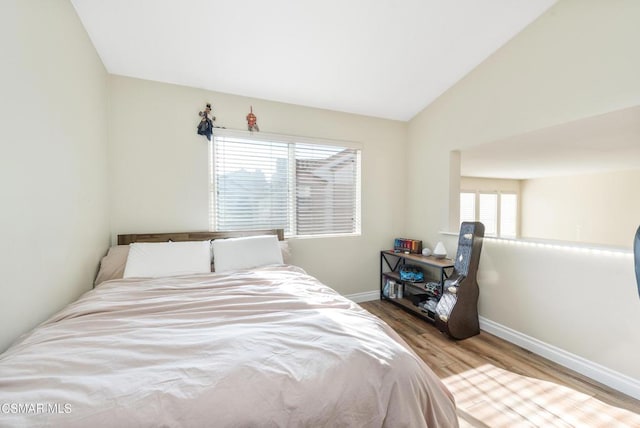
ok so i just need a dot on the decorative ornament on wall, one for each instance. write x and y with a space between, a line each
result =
205 127
252 121
207 122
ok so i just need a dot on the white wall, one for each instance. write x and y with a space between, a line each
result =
159 170
578 60
593 208
490 184
53 171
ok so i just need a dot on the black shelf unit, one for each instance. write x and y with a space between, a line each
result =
435 271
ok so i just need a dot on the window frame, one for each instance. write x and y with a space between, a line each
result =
291 141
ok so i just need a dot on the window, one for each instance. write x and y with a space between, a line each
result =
305 187
508 215
467 206
488 213
498 211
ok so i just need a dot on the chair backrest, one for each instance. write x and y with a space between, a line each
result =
469 247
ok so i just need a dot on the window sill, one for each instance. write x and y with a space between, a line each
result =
333 235
558 244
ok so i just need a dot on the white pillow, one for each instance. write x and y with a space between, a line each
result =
154 259
245 253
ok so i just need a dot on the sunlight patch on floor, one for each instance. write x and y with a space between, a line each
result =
494 397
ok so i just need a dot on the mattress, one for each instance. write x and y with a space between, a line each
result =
267 347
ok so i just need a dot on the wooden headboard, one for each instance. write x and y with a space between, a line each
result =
195 236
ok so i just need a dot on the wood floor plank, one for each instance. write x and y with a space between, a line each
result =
499 384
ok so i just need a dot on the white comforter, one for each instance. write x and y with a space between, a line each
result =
271 347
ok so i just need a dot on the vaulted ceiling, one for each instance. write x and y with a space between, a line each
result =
380 58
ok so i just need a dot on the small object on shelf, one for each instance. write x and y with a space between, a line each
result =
393 289
416 299
407 246
426 252
439 252
390 289
433 288
429 305
411 273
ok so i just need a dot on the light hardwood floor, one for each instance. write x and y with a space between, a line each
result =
498 384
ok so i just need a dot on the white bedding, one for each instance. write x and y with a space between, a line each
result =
270 347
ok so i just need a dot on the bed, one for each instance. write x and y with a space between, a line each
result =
268 346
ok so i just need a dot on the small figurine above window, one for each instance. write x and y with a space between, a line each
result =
252 121
205 127
207 122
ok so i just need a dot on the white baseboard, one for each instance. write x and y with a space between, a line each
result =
602 374
367 296
611 378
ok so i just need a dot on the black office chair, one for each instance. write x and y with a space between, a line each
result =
457 309
636 253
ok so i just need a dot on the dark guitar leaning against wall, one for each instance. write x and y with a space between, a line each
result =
457 310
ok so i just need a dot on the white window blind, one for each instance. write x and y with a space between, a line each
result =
467 206
488 213
508 215
305 188
497 211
